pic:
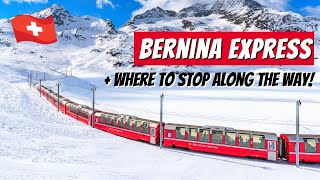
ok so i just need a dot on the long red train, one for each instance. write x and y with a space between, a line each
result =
209 139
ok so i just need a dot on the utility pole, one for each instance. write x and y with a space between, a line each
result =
298 104
161 115
30 80
93 89
40 87
58 84
44 76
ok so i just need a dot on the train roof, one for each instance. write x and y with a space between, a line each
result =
129 116
302 135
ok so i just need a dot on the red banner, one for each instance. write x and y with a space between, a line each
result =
224 48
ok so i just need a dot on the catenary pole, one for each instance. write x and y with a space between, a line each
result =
40 87
161 116
93 89
30 80
298 104
58 84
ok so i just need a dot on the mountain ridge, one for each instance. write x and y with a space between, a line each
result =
98 44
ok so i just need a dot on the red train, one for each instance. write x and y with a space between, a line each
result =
209 139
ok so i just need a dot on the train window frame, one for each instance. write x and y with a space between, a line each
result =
305 147
121 122
145 131
108 120
115 122
136 128
262 144
192 137
207 139
129 124
214 132
153 132
241 143
102 118
182 136
272 146
234 141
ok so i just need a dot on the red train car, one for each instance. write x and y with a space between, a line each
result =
80 112
129 127
63 104
222 140
309 145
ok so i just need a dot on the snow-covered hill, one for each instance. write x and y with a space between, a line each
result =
89 44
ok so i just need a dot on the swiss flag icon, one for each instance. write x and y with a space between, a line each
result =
28 28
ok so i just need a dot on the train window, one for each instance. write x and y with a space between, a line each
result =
180 132
137 125
192 134
244 140
204 135
102 119
145 127
310 145
108 120
231 138
129 124
272 145
122 122
153 132
169 134
115 122
258 141
217 137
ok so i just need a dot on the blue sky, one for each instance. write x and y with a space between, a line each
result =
120 11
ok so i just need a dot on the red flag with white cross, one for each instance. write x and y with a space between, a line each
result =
28 28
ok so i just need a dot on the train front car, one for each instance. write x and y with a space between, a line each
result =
129 127
309 148
222 140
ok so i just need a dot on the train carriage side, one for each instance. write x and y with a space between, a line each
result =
222 140
309 148
129 127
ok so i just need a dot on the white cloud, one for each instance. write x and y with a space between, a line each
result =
22 1
100 3
313 11
177 5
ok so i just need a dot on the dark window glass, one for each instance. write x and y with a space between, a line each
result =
192 134
137 125
217 137
180 132
130 123
310 145
258 141
121 122
145 127
231 138
244 140
204 135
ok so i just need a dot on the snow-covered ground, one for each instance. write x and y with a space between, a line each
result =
37 142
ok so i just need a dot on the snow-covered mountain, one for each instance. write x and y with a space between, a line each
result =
93 44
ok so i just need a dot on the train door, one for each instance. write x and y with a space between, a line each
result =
272 150
153 135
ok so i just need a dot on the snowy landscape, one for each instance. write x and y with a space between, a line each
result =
37 142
